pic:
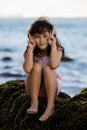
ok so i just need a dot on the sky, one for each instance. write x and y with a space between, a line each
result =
48 8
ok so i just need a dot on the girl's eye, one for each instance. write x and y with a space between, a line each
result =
37 36
45 35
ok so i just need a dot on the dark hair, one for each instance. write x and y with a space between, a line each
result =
40 26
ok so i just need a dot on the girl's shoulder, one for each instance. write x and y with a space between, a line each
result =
60 48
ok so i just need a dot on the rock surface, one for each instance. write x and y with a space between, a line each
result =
70 113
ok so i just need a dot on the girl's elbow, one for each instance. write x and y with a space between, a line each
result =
27 69
54 66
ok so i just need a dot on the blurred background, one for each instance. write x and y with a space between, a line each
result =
70 20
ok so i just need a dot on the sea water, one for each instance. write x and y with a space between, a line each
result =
72 33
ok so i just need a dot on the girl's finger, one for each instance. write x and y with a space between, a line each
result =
29 36
32 40
53 31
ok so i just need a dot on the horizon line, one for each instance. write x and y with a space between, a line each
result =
16 17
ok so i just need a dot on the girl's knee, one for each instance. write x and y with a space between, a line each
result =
47 70
37 67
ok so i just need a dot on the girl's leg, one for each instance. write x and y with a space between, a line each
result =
34 84
27 86
51 87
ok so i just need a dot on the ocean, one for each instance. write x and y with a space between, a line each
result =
72 33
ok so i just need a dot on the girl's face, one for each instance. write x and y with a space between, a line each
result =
42 40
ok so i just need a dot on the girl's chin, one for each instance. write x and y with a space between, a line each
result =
43 48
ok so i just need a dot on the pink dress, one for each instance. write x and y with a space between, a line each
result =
45 61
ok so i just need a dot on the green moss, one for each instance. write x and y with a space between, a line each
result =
84 92
70 113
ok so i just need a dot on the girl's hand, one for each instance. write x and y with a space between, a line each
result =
31 43
52 39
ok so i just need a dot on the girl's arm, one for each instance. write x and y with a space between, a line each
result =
55 57
28 62
28 55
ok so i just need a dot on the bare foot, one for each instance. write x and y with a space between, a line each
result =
47 114
32 110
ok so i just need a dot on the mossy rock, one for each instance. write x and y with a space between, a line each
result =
70 113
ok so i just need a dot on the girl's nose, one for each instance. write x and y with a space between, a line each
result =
41 39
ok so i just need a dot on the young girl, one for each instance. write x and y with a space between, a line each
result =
42 59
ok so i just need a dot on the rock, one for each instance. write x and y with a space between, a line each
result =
70 113
7 58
